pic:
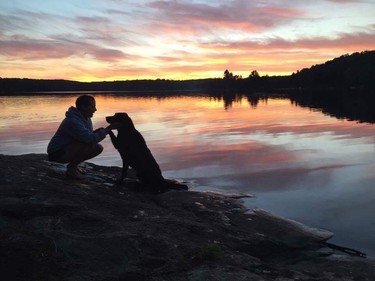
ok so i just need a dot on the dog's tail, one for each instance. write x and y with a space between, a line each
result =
175 185
166 185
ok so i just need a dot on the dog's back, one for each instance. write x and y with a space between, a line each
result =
142 160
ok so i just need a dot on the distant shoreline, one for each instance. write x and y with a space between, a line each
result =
347 72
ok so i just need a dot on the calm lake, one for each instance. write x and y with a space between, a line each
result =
296 161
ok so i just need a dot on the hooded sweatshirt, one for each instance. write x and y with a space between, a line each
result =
75 128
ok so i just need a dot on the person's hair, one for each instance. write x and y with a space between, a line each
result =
84 100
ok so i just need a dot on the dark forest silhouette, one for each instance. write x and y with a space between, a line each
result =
348 71
343 87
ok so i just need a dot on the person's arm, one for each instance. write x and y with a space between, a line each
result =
81 133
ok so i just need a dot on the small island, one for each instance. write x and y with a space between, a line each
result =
55 228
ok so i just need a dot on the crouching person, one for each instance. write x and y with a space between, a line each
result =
75 140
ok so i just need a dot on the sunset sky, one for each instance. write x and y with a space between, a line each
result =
96 40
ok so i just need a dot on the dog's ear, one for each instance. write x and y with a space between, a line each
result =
120 116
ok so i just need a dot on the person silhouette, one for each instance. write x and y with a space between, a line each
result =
75 141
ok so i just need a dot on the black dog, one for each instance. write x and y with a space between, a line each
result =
135 153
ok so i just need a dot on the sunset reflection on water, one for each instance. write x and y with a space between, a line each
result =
298 162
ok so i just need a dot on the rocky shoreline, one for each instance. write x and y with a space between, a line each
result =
55 228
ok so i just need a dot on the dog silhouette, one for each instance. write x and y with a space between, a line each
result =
134 153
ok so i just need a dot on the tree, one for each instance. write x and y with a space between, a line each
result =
228 75
254 74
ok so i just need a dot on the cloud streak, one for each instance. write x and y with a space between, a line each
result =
246 15
28 49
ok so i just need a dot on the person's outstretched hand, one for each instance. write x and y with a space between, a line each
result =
113 126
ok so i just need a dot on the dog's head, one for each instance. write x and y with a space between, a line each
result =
122 118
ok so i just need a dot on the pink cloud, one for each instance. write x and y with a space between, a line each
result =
359 41
93 35
104 54
101 29
30 49
238 14
33 49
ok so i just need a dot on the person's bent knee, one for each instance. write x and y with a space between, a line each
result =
91 148
79 152
97 149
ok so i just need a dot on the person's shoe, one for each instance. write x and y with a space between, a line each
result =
81 170
72 172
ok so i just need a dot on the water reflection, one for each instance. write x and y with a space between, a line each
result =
353 104
297 161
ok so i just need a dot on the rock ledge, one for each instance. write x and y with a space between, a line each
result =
54 228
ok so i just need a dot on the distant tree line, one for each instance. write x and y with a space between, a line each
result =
355 71
343 87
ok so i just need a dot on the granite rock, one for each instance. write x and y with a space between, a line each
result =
56 228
